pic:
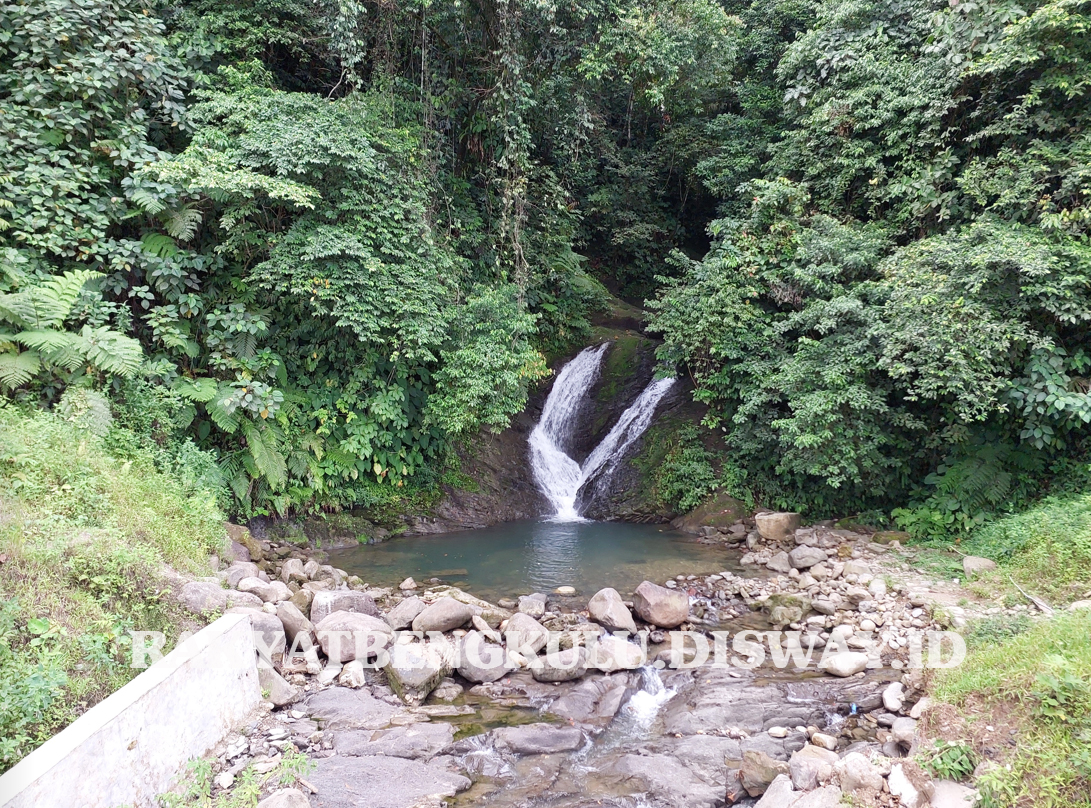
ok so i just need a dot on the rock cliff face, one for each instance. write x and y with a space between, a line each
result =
497 483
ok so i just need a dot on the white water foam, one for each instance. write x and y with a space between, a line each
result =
560 477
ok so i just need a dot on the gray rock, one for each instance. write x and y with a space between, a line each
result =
203 597
560 666
607 609
255 586
973 566
894 696
824 607
908 782
326 603
525 634
269 638
280 692
904 731
533 605
857 773
382 782
481 661
352 674
340 708
779 794
402 616
538 739
414 671
239 570
593 701
805 557
351 635
828 797
293 571
877 587
417 741
295 623
777 526
445 614
660 606
666 779
610 653
286 798
845 663
811 765
780 563
758 771
949 794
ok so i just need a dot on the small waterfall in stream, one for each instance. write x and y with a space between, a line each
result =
559 476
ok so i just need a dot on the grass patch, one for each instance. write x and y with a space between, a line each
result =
1046 549
1035 677
86 528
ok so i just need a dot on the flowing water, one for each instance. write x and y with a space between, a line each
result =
557 474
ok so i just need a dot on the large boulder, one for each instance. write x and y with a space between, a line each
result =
401 616
857 773
263 589
414 670
416 741
844 663
481 661
758 770
910 784
524 634
295 623
381 781
203 597
342 708
239 570
783 608
241 535
560 666
810 766
326 603
446 614
777 526
804 557
614 654
973 566
720 512
276 689
607 609
293 571
779 563
534 605
269 638
660 606
538 739
351 635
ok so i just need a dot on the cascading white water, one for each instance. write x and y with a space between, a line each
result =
559 476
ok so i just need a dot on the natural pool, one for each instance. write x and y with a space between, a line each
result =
538 556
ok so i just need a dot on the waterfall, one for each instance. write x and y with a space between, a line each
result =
559 476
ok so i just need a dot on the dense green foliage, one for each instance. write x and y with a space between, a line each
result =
345 236
900 312
93 508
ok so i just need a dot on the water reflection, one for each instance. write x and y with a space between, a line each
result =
521 557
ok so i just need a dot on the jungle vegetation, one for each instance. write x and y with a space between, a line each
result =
340 237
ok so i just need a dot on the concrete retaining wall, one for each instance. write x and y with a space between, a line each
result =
129 748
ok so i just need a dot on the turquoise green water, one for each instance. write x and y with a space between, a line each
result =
522 557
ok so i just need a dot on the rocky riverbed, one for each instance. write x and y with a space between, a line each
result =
567 700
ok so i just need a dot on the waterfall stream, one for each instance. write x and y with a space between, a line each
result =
559 476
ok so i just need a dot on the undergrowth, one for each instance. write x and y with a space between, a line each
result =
1038 676
88 519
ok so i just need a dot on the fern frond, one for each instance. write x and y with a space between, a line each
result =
54 299
18 309
111 351
221 409
46 340
17 369
148 201
269 461
183 222
203 390
160 245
